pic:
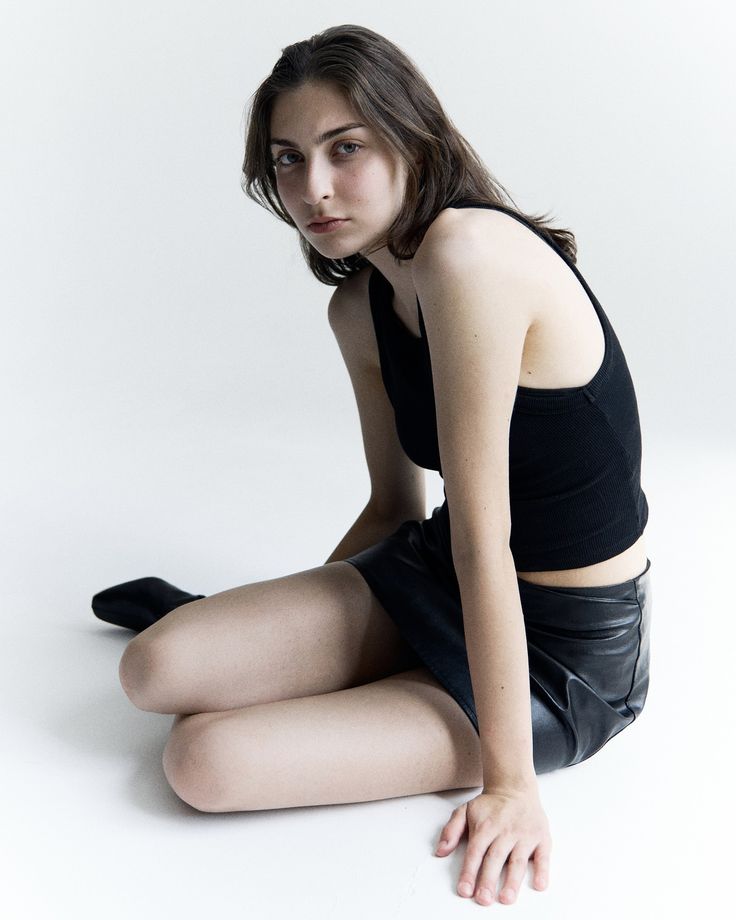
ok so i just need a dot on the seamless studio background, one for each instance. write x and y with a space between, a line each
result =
174 404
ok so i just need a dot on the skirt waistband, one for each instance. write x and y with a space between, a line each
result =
624 590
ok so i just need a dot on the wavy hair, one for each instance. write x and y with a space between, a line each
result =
391 95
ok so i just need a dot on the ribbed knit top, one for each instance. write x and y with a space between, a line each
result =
574 452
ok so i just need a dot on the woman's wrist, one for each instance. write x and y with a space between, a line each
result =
510 784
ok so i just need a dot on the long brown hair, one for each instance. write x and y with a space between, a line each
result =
388 91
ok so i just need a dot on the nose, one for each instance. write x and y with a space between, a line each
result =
317 181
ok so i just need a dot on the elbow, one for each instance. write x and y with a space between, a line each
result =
480 531
486 539
494 555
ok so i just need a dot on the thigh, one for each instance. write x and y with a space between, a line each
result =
310 632
402 735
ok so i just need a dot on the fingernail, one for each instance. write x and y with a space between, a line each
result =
465 889
442 844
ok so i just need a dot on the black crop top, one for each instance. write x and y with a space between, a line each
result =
574 452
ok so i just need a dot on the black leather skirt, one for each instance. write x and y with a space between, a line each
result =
588 647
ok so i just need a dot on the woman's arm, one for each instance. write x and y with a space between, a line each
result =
499 669
479 295
397 483
478 300
370 526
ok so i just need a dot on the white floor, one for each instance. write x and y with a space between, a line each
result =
90 827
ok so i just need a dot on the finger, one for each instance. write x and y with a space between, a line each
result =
490 870
541 865
480 838
452 832
516 866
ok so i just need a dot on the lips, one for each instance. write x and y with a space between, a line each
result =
331 225
323 220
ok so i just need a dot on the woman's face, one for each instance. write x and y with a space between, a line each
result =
352 175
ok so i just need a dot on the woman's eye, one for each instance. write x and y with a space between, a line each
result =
277 161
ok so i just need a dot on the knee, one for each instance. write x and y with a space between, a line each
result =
194 762
141 670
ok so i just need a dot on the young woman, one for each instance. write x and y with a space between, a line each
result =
508 634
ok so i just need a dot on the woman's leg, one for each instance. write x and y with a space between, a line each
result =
402 735
308 633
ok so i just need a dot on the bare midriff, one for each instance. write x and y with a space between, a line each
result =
627 565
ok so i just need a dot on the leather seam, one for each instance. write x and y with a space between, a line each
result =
638 654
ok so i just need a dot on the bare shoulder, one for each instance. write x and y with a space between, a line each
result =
349 315
516 274
490 250
478 232
481 256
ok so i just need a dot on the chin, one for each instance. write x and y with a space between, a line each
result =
339 250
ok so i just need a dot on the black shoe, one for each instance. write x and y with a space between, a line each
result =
137 604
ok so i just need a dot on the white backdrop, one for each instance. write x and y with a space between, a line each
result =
174 404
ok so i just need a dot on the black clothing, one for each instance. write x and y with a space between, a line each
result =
137 604
588 647
576 499
574 452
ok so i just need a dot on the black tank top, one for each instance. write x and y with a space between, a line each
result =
574 452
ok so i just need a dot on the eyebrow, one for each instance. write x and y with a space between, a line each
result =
322 137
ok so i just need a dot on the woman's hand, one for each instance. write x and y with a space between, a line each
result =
500 825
